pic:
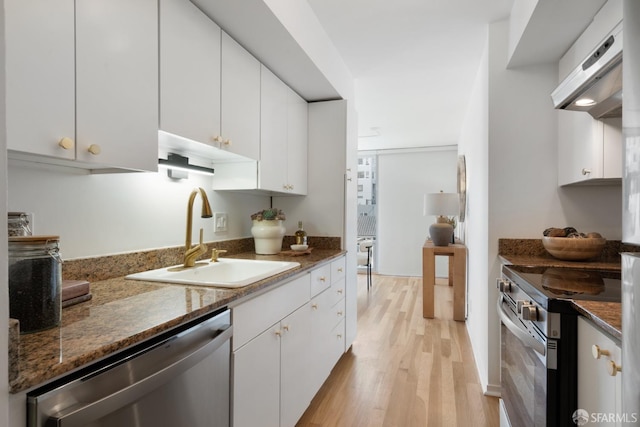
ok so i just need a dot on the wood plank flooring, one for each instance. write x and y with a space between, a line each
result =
404 370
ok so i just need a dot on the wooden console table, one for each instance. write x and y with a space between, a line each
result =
457 254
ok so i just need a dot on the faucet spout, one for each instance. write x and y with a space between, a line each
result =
191 254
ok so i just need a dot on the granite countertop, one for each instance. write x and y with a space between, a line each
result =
605 315
125 312
530 252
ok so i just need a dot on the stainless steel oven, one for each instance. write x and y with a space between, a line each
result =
179 379
539 339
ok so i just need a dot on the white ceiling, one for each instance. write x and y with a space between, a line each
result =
414 62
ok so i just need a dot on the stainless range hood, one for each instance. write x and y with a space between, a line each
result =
595 86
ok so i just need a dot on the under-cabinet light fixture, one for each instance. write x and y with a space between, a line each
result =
178 166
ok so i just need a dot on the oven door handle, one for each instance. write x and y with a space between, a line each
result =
520 333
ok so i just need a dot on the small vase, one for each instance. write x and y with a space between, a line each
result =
267 235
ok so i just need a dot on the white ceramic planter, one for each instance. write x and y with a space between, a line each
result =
267 235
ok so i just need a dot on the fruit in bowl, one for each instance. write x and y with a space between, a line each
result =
568 244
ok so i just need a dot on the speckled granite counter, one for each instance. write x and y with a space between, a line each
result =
126 312
530 252
605 315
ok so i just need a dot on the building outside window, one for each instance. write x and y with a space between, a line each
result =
367 209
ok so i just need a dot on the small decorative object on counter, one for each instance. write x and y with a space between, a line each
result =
268 231
35 282
18 224
301 235
570 245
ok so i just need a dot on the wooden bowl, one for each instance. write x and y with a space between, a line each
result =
574 249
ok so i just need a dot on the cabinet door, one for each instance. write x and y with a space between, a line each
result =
189 72
296 389
579 147
240 94
612 148
273 133
297 141
321 331
40 92
598 391
117 83
256 381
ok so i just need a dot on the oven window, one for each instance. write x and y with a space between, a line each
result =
524 382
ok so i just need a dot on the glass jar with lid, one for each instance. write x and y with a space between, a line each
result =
35 282
18 224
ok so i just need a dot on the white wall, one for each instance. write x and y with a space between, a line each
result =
114 213
404 176
521 194
4 289
474 145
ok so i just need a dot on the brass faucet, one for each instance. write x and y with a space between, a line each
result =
215 253
192 253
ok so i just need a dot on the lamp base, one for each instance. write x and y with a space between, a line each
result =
441 234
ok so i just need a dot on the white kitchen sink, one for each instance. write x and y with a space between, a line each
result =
225 273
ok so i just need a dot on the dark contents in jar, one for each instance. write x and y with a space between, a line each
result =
35 293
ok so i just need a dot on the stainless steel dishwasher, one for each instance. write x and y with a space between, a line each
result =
178 379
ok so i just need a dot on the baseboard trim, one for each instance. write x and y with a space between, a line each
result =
493 390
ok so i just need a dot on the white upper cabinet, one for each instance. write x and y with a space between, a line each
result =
189 72
273 132
283 137
117 83
297 143
589 150
89 94
40 76
240 95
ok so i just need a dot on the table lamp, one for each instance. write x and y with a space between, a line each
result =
442 205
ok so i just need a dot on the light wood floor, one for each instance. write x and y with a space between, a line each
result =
404 370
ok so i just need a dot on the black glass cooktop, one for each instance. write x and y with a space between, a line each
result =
548 284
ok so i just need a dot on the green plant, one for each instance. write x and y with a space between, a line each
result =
268 215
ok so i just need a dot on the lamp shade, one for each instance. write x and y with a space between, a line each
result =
445 204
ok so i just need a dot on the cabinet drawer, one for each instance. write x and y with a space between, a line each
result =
256 315
338 269
337 291
336 343
320 279
337 312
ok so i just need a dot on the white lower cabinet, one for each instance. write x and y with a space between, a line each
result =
599 382
277 372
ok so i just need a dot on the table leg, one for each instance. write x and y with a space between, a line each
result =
459 291
428 281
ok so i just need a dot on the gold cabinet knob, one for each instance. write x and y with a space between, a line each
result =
340 291
217 138
314 306
322 279
286 328
95 149
66 143
586 171
339 269
613 368
278 333
227 142
598 352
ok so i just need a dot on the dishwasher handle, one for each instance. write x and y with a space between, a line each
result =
78 416
520 333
